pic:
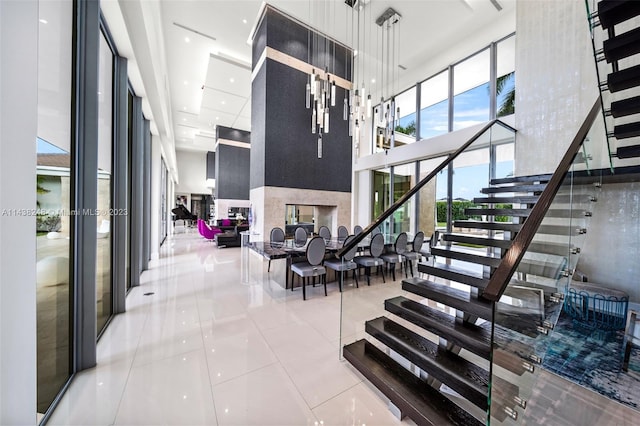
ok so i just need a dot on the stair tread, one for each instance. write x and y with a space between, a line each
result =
473 338
628 151
624 79
477 257
516 199
626 107
528 178
482 241
611 13
495 226
422 403
622 45
455 273
515 188
478 211
464 377
453 297
625 131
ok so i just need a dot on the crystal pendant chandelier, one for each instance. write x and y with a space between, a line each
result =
320 91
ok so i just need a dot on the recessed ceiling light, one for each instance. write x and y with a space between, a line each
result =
186 83
99 93
223 102
355 53
217 118
232 80
244 21
44 21
187 39
184 108
184 119
373 80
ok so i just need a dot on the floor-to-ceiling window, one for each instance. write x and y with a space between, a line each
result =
163 201
506 76
130 137
471 91
381 191
53 195
403 180
434 106
406 112
105 149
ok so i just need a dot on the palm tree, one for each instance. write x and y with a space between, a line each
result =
506 90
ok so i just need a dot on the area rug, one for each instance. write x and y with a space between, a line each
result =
592 359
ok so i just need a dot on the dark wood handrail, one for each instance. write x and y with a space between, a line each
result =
502 275
411 192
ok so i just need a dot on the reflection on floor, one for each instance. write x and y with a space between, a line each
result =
218 342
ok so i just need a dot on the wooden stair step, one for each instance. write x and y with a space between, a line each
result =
454 273
480 241
464 377
522 179
625 107
453 297
478 211
477 257
473 338
516 199
626 131
515 188
493 226
622 45
624 79
628 151
418 401
611 13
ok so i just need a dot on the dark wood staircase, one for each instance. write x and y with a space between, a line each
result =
619 51
445 361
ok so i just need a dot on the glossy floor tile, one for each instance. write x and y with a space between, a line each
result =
220 342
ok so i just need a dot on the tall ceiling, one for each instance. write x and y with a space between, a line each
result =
209 53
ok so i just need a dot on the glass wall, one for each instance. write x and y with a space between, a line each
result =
506 77
381 191
105 148
53 195
406 127
130 137
434 106
403 180
471 91
469 81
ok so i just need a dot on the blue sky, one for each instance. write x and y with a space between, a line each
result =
468 181
44 147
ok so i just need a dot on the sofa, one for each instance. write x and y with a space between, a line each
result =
232 237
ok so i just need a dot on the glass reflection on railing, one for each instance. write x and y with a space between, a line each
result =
546 337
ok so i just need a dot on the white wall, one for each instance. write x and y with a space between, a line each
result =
192 170
556 81
18 121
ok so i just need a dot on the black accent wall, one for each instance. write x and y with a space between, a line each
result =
284 152
232 164
211 165
232 172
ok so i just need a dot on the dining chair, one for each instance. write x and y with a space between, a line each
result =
397 256
325 233
357 230
276 236
300 237
343 232
415 255
312 267
344 264
373 259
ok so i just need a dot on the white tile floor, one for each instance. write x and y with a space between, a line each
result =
220 343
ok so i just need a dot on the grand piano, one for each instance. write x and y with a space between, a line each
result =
182 213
